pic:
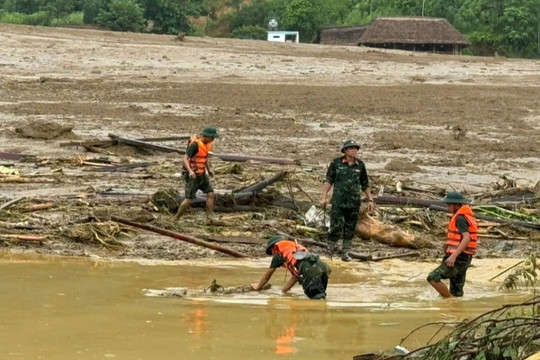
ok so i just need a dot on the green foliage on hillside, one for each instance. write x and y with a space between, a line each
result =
506 27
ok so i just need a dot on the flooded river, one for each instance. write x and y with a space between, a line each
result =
57 308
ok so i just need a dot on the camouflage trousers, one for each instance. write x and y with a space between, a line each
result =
456 274
342 225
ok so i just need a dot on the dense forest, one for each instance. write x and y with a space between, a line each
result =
505 27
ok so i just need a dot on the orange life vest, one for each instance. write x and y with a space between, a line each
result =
454 236
287 248
198 162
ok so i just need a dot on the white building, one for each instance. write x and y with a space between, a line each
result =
284 36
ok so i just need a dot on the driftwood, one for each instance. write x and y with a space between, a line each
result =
370 228
123 167
11 156
394 200
261 159
12 202
261 184
178 236
397 256
146 145
24 180
38 207
22 237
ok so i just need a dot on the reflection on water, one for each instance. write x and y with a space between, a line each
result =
77 309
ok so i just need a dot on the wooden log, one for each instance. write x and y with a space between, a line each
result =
22 180
370 228
22 237
38 207
125 167
505 270
178 236
11 156
12 202
394 200
261 159
261 184
146 145
397 256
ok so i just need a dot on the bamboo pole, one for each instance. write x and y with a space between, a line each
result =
12 202
178 236
505 270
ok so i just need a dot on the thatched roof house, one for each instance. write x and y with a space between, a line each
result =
414 33
340 35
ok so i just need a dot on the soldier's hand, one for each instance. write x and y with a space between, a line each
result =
324 202
370 207
192 175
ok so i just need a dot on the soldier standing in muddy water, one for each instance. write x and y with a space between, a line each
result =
349 177
460 247
197 170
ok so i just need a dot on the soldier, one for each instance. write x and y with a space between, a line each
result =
349 177
460 247
305 268
196 166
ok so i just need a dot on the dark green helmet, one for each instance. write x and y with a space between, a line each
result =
349 144
455 197
273 241
210 131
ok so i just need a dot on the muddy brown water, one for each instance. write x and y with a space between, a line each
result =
58 308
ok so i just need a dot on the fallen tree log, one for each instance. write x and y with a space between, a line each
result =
146 145
370 228
122 167
38 207
261 184
178 236
394 200
24 180
261 159
22 237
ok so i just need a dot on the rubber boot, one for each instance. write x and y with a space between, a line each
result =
345 256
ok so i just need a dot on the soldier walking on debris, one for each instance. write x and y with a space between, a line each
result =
348 176
305 268
196 166
460 247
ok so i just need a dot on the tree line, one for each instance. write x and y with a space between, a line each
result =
507 27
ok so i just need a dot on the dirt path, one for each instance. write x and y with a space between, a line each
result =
285 100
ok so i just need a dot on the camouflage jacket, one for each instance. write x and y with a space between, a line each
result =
348 181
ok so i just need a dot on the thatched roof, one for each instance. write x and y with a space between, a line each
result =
412 30
340 35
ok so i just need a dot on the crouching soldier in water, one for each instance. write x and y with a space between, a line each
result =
305 268
196 165
460 247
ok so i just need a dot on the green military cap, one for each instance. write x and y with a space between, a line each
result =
348 144
455 197
210 131
273 241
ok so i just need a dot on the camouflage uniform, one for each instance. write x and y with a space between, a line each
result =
456 273
348 181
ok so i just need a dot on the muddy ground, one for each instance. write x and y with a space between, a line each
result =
455 122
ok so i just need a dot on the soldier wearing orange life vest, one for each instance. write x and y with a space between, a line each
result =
305 268
196 170
461 244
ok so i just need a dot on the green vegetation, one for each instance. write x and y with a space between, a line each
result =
506 27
